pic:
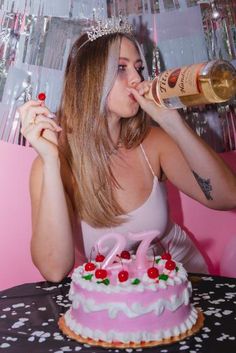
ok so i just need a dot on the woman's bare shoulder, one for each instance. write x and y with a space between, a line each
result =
153 141
156 134
155 144
157 140
151 145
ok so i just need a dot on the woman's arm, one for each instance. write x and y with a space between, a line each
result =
194 168
52 244
188 162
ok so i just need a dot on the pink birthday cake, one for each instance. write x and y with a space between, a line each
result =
124 300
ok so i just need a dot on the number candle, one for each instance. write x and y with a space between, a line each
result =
119 245
141 254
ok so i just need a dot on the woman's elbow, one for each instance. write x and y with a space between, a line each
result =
53 272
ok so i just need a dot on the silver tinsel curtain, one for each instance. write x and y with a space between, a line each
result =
36 36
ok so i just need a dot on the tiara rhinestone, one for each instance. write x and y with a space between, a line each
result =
109 26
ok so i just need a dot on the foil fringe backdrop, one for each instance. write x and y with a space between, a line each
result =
54 8
36 36
219 25
35 39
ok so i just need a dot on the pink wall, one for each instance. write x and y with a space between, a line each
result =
15 226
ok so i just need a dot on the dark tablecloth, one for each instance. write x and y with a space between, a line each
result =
29 315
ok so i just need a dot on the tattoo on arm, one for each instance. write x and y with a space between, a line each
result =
205 185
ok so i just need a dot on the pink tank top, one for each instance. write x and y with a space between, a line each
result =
151 215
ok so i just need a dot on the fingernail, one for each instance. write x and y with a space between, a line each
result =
52 116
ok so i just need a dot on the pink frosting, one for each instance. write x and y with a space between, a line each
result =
149 321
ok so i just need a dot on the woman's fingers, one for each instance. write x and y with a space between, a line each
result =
157 113
143 87
28 104
37 119
139 91
25 108
31 109
139 98
43 137
28 116
39 127
36 130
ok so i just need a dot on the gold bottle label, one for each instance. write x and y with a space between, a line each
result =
179 82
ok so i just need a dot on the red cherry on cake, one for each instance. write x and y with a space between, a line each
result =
153 272
90 266
125 254
123 276
100 258
166 256
170 265
100 273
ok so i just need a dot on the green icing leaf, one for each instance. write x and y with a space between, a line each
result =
88 277
163 277
157 260
105 281
177 269
136 281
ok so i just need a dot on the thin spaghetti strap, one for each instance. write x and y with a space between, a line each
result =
146 158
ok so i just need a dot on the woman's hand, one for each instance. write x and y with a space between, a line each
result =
162 116
39 128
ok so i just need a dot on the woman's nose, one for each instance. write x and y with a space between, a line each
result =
135 79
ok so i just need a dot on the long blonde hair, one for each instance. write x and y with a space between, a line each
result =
85 141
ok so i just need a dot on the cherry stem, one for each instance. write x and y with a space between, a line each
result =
153 257
120 258
98 252
91 252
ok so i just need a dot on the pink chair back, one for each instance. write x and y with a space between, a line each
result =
213 231
16 266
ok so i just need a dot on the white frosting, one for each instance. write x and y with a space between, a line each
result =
133 310
126 337
146 283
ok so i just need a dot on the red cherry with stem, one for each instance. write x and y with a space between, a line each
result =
153 272
170 265
42 96
90 266
100 273
125 255
123 275
166 256
100 258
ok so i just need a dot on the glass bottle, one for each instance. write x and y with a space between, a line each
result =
204 83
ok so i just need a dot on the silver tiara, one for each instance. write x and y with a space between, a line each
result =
109 26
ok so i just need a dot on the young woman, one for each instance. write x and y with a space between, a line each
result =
102 166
